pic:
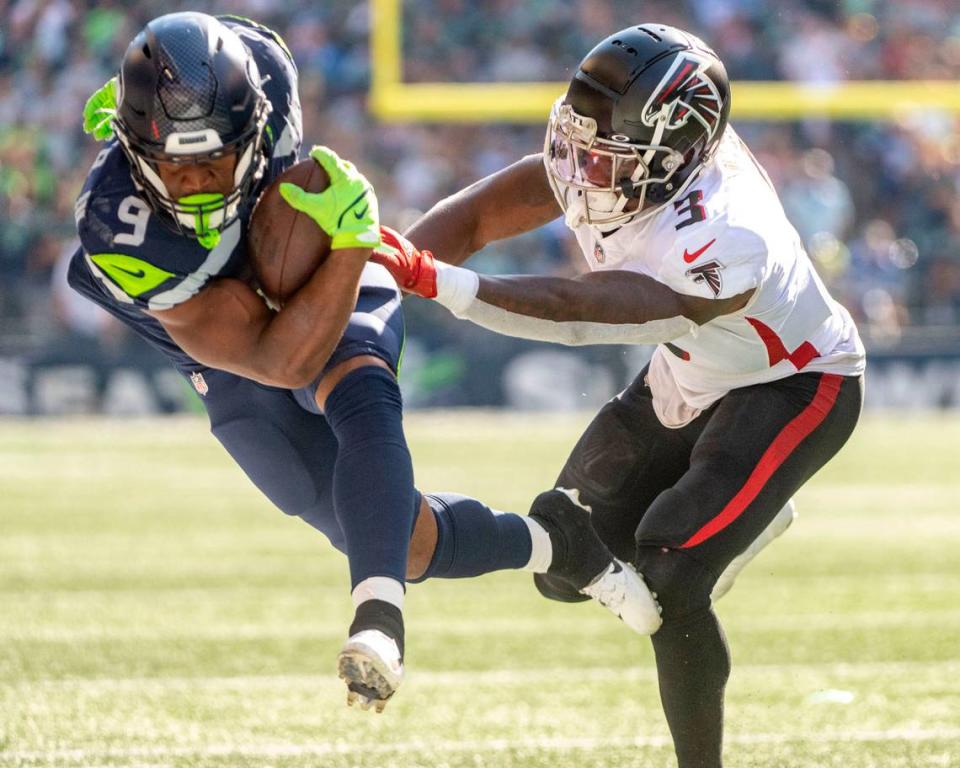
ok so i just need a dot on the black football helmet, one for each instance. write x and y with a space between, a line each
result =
643 113
189 91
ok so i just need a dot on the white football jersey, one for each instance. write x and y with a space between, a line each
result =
725 234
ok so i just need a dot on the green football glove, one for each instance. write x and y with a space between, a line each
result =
99 110
347 210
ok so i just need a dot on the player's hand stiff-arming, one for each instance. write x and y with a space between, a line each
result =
598 308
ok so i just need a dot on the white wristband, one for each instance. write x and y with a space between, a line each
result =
456 287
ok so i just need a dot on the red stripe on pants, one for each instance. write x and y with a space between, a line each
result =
778 452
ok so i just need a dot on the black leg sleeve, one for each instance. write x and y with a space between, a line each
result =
693 664
693 660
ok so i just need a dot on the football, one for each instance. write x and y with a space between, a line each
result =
286 246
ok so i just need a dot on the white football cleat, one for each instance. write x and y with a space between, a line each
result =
622 590
775 528
370 665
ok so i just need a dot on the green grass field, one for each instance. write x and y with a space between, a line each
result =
155 611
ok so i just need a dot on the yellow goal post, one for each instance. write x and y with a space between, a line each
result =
393 100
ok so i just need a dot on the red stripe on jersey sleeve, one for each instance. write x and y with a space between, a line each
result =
778 452
776 352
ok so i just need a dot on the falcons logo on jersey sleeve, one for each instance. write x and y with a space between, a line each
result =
708 273
685 91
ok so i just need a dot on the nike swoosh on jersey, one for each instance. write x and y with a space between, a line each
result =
137 273
691 257
134 276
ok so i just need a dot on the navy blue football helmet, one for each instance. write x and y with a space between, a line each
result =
189 91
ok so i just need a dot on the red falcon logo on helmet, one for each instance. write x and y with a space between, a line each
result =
685 91
708 273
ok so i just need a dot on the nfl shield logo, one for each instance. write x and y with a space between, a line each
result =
598 253
199 383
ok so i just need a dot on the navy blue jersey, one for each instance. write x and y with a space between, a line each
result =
131 260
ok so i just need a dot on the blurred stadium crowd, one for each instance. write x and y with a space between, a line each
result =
878 204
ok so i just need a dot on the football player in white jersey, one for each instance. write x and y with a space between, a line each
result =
757 378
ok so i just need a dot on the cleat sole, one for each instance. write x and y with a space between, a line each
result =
366 686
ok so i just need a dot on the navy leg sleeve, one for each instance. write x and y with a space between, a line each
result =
373 494
472 539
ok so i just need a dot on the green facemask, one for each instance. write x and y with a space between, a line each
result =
201 206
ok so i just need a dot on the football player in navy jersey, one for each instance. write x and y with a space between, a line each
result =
757 378
205 113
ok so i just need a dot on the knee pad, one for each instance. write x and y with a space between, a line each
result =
667 519
681 583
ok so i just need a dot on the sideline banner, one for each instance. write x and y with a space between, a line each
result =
487 371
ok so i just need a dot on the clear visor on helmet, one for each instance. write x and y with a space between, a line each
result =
578 157
593 168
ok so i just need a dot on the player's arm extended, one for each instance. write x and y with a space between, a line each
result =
228 326
610 307
509 202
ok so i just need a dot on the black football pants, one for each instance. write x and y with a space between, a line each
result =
708 489
682 504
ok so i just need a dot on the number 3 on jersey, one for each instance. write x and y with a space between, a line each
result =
135 212
689 206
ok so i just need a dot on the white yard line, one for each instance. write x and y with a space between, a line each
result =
866 620
320 749
488 677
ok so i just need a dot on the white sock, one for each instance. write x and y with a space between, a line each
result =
378 588
541 550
